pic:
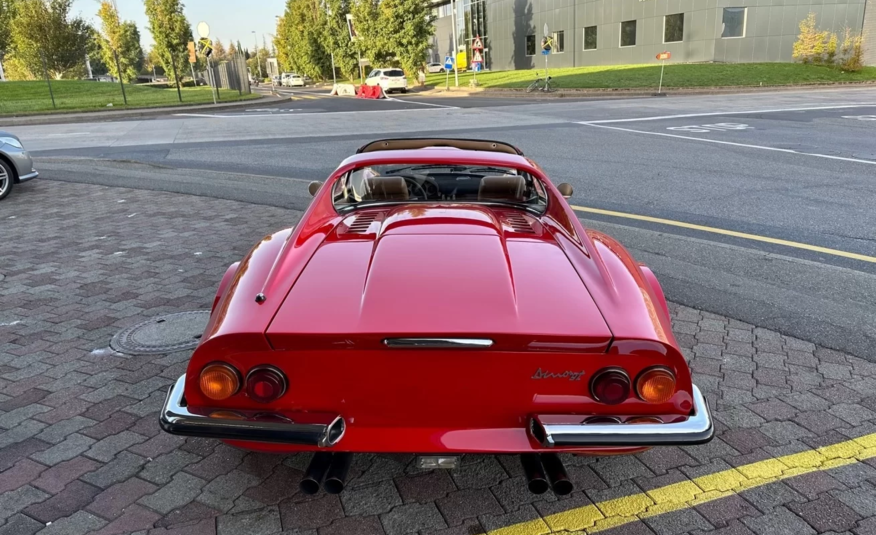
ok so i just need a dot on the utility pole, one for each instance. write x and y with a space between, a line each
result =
255 39
455 42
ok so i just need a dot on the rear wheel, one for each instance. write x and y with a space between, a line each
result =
7 179
533 86
404 90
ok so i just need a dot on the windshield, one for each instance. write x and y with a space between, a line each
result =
399 183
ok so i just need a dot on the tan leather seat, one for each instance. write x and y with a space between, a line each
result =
502 188
385 188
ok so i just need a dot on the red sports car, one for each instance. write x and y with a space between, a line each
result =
439 297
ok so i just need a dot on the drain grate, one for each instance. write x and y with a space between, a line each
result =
162 334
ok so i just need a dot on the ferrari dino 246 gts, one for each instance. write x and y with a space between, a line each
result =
439 297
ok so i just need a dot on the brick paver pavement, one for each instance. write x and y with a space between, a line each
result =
81 451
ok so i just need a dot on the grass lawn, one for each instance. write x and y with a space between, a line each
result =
21 98
676 76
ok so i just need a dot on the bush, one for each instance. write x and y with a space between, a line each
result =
823 48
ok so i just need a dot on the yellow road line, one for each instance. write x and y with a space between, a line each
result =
725 232
620 511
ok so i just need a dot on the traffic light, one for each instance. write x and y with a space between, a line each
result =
192 56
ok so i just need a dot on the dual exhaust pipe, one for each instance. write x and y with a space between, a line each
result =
326 470
546 471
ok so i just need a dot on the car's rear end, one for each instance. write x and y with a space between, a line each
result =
393 80
440 329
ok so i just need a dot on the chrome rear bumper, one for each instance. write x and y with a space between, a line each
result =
697 429
306 428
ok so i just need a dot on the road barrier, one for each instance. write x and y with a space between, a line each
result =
344 90
370 91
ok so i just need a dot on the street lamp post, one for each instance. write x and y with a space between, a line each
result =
258 61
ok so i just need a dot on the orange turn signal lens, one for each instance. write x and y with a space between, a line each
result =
219 381
656 385
227 415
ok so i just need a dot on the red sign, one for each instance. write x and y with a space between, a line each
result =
664 56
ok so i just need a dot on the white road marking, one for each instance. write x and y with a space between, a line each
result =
861 117
745 145
717 127
713 114
423 103
68 134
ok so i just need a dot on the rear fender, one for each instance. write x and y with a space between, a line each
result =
655 287
223 285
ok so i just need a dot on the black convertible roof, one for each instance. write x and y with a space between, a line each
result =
424 142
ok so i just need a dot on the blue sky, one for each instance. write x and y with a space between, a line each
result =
229 20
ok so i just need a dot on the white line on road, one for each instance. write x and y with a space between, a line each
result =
745 145
68 134
713 114
423 103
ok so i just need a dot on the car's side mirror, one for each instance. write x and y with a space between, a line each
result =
565 189
314 187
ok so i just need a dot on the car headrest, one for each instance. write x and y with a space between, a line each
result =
502 188
385 188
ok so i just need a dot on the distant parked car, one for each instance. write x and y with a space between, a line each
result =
293 80
16 165
435 67
389 79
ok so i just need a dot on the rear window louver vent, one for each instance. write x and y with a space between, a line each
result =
362 223
519 223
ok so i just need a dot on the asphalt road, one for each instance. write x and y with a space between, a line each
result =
792 166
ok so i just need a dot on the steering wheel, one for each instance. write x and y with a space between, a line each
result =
411 184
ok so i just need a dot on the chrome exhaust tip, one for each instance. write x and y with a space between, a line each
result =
315 473
556 473
536 480
336 477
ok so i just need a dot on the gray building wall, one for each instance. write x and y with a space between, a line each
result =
771 29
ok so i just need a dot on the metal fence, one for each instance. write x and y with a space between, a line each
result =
229 74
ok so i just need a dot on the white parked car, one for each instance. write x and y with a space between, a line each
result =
389 79
435 67
291 79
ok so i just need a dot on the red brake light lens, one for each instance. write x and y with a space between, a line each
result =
265 384
610 386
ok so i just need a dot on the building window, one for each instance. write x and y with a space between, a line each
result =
444 11
590 33
628 33
673 28
530 45
734 22
559 43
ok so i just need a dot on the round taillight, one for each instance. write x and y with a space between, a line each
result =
655 385
610 387
645 420
265 384
219 381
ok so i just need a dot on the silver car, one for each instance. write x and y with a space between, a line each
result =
16 165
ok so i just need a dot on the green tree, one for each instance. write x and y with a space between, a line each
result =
94 50
407 26
812 45
219 52
7 13
151 60
337 37
299 38
371 42
124 39
171 32
259 58
232 50
44 27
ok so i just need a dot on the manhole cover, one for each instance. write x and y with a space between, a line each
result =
162 334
